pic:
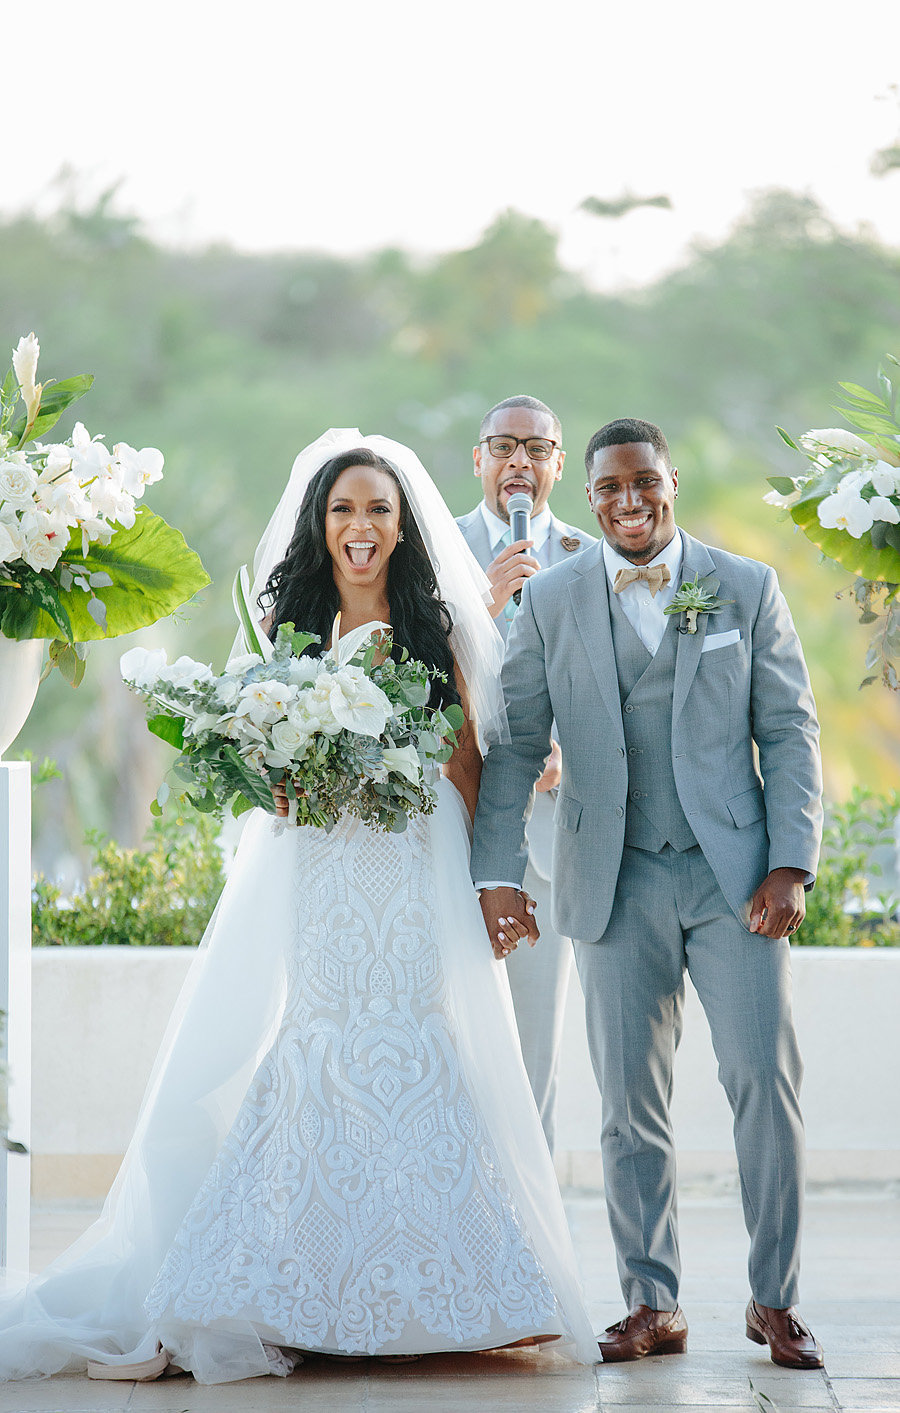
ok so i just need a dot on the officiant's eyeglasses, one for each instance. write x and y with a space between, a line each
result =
536 448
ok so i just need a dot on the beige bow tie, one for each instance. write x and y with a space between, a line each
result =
655 576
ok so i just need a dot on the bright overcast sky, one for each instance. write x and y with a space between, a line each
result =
347 126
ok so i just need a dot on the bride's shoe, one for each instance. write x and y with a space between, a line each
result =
143 1371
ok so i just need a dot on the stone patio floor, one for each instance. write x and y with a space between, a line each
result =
851 1298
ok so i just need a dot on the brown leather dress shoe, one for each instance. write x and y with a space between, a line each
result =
791 1343
644 1331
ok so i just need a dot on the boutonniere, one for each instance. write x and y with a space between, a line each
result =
695 597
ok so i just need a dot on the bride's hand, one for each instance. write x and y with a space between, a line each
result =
279 794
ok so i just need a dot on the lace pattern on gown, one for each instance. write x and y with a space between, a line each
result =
357 1202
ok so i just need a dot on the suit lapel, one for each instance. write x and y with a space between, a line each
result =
697 560
476 536
589 594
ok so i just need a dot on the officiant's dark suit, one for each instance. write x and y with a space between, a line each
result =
672 850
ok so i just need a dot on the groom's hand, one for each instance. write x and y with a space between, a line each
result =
779 903
509 917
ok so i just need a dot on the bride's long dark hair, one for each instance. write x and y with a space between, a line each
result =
301 589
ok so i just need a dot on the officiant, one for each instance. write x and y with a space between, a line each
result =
520 449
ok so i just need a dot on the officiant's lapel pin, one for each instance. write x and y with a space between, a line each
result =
570 542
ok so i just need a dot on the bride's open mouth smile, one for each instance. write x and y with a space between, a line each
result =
360 553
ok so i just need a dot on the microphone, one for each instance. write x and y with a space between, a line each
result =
520 507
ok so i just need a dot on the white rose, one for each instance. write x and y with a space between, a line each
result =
303 670
289 740
846 510
142 666
43 551
884 509
838 439
18 484
228 689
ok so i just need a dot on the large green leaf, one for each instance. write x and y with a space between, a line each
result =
859 556
54 401
31 599
152 572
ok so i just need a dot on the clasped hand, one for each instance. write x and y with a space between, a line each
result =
779 903
509 918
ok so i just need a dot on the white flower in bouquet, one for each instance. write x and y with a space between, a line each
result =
837 439
185 672
265 702
884 509
845 509
405 761
142 666
885 478
12 541
303 671
18 484
357 703
138 469
289 741
25 360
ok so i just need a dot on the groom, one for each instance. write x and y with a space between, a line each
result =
520 449
672 850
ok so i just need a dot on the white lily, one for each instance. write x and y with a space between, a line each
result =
343 649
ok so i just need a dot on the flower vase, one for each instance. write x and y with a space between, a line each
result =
20 671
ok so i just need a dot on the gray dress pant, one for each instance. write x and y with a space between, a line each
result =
539 981
670 914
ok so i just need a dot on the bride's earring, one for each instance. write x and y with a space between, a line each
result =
400 537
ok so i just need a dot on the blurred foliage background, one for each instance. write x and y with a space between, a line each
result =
231 362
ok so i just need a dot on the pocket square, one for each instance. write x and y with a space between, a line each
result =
720 640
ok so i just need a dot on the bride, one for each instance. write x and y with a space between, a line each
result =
338 1150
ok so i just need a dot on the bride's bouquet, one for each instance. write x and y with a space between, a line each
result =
348 731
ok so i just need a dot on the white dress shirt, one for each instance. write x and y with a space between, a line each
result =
645 611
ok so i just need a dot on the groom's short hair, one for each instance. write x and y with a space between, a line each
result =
521 400
627 429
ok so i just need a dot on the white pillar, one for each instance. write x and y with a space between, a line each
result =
15 1000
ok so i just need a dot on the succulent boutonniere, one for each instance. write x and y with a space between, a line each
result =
697 596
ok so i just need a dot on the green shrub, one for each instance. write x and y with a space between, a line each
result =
853 831
160 895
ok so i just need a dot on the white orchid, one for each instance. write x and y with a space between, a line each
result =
845 509
25 360
885 478
884 509
836 439
357 703
142 666
185 672
138 469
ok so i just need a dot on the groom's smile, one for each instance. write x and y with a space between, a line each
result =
632 492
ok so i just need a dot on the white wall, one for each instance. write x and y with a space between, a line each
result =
99 1015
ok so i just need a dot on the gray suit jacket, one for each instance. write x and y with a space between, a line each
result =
475 533
560 663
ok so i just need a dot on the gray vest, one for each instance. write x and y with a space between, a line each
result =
653 817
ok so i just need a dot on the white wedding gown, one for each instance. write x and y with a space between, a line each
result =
339 1150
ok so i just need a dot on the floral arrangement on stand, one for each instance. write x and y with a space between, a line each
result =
79 559
348 731
848 504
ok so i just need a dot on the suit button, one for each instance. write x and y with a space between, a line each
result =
621 750
636 795
619 811
632 750
629 707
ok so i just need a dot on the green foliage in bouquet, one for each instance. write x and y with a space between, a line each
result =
160 895
848 505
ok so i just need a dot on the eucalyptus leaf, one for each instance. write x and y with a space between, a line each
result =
784 485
